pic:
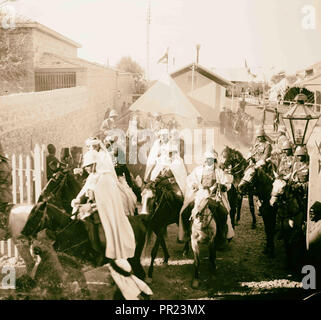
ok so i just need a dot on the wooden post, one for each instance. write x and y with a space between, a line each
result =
28 179
9 248
2 247
20 174
37 171
14 179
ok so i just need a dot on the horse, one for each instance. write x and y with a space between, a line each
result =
53 212
206 219
260 181
291 218
160 201
235 164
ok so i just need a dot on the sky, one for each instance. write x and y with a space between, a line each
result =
266 33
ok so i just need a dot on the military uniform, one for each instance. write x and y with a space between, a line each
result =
285 165
261 151
301 172
300 177
5 191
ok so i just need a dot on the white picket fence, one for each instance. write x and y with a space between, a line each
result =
28 179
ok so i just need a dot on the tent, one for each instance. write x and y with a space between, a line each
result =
278 90
166 98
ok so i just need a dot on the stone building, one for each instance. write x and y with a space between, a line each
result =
50 61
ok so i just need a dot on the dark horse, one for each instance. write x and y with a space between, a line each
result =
161 202
53 212
260 181
235 164
284 197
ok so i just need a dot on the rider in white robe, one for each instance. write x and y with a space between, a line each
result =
165 154
194 183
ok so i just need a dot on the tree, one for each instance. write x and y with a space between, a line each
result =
12 56
127 64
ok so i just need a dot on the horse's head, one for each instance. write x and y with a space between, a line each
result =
247 180
201 213
226 158
148 198
278 188
61 189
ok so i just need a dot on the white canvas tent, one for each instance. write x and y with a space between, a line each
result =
166 98
278 89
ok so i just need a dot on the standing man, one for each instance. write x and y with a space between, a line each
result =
52 162
5 195
109 123
223 121
242 105
276 120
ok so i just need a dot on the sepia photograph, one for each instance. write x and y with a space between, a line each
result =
160 151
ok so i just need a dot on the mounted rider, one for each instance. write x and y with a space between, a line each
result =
125 182
213 179
5 194
109 123
300 174
170 165
160 156
261 150
286 160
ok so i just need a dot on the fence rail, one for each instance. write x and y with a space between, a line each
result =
28 179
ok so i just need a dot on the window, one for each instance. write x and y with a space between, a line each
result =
54 80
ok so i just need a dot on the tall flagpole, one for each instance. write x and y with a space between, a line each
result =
147 41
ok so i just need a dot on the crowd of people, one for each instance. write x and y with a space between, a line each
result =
110 189
237 125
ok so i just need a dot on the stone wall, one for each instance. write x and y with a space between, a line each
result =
63 117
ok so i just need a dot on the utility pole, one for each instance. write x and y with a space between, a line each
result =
193 73
198 47
147 41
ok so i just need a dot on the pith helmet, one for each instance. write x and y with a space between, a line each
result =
260 132
90 157
113 113
286 145
300 151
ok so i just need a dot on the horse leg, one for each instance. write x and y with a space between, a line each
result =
186 249
23 247
195 247
252 210
269 219
239 207
153 256
164 247
232 198
212 255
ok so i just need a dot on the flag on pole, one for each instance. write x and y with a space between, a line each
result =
252 75
164 58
